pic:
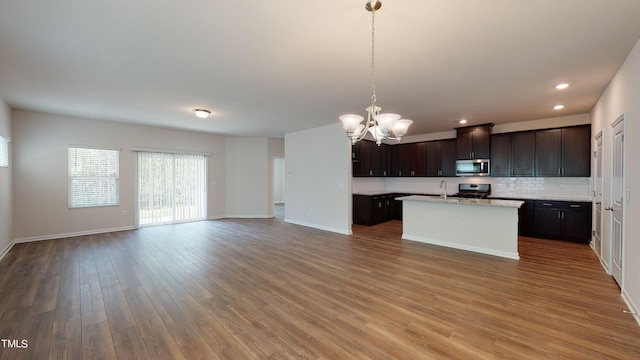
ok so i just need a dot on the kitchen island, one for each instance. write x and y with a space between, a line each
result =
486 226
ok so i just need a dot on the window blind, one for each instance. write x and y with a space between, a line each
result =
93 177
4 152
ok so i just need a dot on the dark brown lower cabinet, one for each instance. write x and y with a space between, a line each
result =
526 225
563 220
373 209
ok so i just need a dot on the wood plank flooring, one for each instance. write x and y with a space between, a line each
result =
264 289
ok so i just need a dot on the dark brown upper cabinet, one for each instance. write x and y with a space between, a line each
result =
413 159
473 142
564 152
369 159
440 157
513 154
395 160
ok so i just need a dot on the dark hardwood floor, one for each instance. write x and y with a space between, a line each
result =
264 289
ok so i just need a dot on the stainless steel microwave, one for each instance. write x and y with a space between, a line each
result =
478 167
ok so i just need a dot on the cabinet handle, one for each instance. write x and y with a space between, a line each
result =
562 171
546 204
562 215
575 206
413 173
384 172
379 204
558 215
559 171
370 172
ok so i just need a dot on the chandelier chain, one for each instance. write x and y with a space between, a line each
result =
373 63
381 126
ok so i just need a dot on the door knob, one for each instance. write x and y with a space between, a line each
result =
610 208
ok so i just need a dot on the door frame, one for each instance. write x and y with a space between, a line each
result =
598 191
621 119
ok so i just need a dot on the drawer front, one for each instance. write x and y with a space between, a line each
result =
562 205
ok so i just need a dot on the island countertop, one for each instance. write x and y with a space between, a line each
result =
464 201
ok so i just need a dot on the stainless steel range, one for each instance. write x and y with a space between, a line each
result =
474 191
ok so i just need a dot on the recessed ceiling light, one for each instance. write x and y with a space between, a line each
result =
202 113
562 86
463 121
558 107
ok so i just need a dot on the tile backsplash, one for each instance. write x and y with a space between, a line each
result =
512 187
541 187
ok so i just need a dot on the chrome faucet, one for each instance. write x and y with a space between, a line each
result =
444 195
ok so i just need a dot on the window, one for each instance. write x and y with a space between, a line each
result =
4 152
93 177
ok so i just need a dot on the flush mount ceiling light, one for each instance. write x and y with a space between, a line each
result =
463 121
202 113
558 107
562 86
381 126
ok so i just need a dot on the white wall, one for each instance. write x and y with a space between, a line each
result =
40 141
623 96
318 178
6 213
248 181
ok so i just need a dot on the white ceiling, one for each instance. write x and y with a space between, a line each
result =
271 67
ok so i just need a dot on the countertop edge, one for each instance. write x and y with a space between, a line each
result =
463 201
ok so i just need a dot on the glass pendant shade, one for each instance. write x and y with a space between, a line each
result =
350 122
401 127
386 121
377 134
360 130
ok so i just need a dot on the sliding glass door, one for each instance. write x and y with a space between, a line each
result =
172 188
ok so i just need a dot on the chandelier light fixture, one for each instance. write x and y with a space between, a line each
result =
381 126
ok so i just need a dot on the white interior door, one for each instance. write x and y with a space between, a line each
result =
597 196
617 199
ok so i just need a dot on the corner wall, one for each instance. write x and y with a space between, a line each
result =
6 201
318 179
248 184
39 143
620 97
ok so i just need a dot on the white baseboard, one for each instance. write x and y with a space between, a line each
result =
632 307
262 216
504 254
320 227
7 249
71 234
604 265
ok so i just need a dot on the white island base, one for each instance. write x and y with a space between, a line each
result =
481 225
